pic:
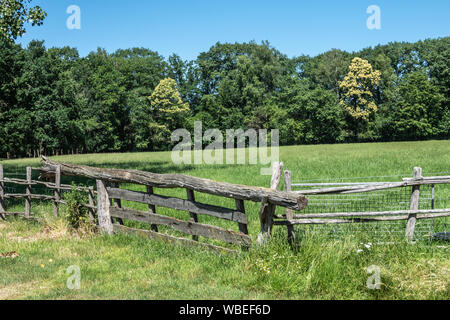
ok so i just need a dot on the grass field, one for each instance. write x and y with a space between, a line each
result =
126 267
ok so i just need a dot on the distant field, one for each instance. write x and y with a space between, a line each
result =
122 267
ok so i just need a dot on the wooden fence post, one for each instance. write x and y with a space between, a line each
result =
57 190
194 217
289 215
240 206
92 204
28 192
152 209
118 203
103 205
413 205
2 193
267 209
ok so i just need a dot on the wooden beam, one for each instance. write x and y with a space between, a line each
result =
267 209
164 237
194 218
57 190
413 205
363 214
178 204
103 208
28 193
152 208
2 193
285 199
289 215
356 220
186 227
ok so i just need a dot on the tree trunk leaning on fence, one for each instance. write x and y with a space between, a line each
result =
286 199
268 209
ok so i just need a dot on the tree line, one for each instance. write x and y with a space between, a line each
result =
52 101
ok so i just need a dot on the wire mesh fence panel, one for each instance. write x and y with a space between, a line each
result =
431 197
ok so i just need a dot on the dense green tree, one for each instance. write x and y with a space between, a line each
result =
13 16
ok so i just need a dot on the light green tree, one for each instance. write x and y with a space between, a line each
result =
167 110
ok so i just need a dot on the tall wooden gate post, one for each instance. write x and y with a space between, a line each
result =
103 206
57 190
28 193
268 209
289 215
413 205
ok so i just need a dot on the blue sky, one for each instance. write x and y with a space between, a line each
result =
188 27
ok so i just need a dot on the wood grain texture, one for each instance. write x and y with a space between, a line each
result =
2 193
194 218
28 193
413 205
179 204
267 209
186 227
256 194
152 208
57 190
103 208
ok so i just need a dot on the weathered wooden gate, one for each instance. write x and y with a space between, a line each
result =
110 196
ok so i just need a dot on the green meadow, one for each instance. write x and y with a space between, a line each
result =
319 267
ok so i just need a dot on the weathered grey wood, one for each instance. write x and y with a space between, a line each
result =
164 237
186 227
28 196
240 207
57 190
49 185
2 193
103 208
267 208
425 179
363 214
28 192
372 187
152 208
413 205
289 215
356 220
179 204
117 202
191 197
252 193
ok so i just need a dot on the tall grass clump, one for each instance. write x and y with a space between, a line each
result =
76 214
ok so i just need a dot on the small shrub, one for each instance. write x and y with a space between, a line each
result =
76 214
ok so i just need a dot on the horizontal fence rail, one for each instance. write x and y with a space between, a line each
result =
336 195
109 192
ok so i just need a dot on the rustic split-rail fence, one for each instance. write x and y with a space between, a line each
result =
105 203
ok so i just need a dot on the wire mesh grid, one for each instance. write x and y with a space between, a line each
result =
431 197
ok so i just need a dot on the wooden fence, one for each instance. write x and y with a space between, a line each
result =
111 213
412 215
29 196
106 202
